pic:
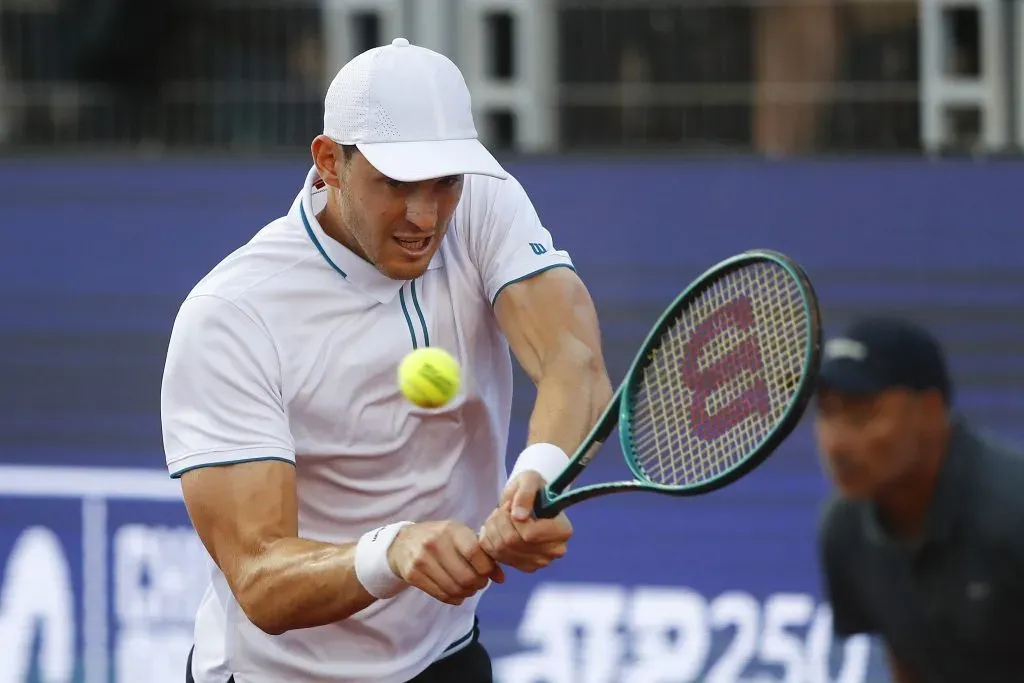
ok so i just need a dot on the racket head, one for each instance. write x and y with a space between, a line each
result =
723 377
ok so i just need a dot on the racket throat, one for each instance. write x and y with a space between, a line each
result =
590 453
564 481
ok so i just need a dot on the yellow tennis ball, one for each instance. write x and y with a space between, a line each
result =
429 377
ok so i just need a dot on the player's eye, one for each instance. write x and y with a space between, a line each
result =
450 181
396 184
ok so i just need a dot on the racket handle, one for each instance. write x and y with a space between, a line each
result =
543 505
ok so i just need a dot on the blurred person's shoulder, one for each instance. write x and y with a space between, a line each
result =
841 524
998 479
1005 456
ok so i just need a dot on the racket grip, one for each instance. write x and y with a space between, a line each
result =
544 506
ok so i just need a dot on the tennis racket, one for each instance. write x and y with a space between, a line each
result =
720 382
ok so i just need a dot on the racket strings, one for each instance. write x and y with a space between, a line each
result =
722 377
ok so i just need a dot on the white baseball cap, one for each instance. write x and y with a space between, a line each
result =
408 111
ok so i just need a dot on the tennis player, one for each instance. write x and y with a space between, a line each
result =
353 533
924 546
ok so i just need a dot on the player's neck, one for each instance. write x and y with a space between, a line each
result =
335 228
904 507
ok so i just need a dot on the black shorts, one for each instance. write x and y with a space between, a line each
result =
471 664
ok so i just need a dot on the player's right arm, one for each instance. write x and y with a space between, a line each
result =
226 436
246 515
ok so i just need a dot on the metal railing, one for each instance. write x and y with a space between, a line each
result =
242 75
780 77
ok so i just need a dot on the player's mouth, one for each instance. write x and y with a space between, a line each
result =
414 246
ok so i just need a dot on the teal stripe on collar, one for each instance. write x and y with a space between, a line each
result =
316 243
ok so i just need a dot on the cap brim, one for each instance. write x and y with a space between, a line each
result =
414 161
850 378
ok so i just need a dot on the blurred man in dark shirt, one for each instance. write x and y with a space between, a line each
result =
924 546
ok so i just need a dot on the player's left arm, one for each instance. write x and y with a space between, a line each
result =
552 328
549 320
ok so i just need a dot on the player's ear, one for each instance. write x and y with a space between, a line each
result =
329 160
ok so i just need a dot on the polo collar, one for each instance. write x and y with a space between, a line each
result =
340 258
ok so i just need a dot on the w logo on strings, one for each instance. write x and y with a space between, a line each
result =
538 248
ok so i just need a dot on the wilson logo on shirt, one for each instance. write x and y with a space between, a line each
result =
538 248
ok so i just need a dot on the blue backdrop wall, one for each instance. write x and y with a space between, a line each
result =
99 572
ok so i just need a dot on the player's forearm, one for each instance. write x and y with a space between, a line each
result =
571 394
297 583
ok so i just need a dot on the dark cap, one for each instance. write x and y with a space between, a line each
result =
875 354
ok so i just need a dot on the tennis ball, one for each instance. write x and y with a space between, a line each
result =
429 377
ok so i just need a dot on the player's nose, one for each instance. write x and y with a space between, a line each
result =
422 212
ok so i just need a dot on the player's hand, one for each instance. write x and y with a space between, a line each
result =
512 536
442 559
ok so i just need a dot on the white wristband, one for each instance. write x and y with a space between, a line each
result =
546 459
372 568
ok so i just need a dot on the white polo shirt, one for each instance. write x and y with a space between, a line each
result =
288 350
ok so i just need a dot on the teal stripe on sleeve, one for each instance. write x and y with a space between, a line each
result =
179 473
528 276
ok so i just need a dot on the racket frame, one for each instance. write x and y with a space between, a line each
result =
553 498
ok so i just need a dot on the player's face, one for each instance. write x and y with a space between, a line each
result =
867 443
397 226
